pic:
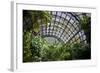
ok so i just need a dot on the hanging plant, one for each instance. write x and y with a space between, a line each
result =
40 18
85 23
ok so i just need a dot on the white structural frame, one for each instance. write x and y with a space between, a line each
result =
16 35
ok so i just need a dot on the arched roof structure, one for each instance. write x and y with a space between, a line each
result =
65 27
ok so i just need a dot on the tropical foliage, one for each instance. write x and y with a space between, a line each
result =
85 22
31 24
36 48
36 19
42 51
27 56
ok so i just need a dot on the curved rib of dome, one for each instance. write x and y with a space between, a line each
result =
64 26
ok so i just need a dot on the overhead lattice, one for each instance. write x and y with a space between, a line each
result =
65 27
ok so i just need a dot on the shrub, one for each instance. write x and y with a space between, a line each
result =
27 56
80 51
41 50
46 52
